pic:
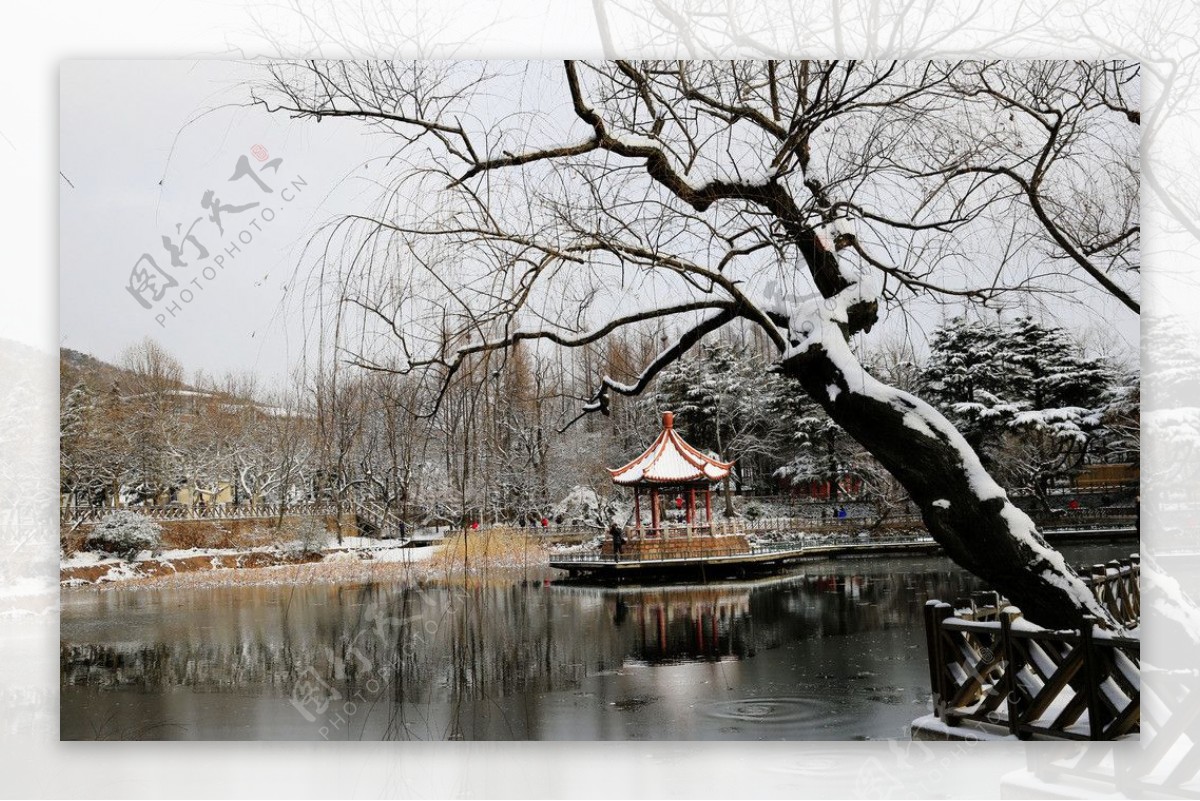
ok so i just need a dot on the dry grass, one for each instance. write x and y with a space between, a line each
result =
495 553
473 551
330 572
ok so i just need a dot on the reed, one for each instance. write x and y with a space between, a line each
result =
473 551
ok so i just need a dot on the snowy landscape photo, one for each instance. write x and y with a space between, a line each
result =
616 400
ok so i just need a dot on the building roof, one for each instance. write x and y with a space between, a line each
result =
670 460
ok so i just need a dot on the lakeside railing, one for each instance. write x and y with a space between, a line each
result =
1117 585
795 526
1117 488
378 518
781 526
799 547
988 665
386 520
75 515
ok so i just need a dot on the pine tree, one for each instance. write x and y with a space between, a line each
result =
1025 395
967 377
727 403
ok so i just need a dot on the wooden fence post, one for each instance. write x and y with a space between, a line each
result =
1091 678
931 649
1008 680
935 613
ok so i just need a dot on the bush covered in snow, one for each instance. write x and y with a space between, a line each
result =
310 539
583 506
124 533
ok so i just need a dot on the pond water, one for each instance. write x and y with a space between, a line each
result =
831 651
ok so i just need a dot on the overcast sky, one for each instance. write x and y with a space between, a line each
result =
144 141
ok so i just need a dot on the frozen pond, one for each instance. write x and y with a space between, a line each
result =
832 651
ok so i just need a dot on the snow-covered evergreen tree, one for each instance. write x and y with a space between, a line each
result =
819 449
967 377
1024 393
726 402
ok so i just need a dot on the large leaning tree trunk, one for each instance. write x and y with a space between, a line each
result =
968 514
806 199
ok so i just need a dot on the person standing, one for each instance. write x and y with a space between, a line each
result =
618 540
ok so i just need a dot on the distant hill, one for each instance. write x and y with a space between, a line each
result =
76 367
83 360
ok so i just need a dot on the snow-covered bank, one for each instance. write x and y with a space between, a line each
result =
354 560
265 565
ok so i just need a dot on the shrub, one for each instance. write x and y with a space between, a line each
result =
124 533
258 535
198 534
310 539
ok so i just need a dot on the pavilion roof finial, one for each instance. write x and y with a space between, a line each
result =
668 419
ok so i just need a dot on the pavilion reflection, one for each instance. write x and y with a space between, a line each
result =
695 624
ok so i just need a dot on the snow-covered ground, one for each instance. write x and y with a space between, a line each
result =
84 567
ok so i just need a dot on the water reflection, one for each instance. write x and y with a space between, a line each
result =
832 652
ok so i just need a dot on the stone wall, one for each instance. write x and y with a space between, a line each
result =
658 548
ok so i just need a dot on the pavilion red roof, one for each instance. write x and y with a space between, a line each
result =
670 460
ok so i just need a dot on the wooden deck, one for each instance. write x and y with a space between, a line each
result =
761 558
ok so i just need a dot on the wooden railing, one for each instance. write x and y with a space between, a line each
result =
785 527
75 515
799 546
687 531
682 551
988 665
384 518
381 518
1086 517
1117 585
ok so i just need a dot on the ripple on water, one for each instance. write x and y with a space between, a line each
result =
769 711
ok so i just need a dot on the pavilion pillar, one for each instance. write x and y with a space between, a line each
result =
708 510
654 513
637 511
691 508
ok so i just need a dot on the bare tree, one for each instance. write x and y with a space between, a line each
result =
805 198
150 396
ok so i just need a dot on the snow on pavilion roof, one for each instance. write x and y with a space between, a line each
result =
670 460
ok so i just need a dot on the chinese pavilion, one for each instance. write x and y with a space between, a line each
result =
672 500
